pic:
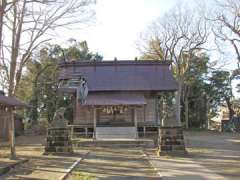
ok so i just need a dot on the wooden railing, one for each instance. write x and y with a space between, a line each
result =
86 131
81 131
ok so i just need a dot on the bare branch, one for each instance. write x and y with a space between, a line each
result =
29 22
226 25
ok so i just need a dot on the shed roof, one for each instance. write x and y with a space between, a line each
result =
132 75
11 101
115 99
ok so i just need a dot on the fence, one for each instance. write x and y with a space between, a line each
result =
87 131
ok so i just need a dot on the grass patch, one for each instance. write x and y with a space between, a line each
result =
199 150
82 176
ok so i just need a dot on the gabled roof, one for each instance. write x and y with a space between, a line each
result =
118 75
11 101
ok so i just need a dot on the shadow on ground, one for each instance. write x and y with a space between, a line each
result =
39 166
116 164
219 152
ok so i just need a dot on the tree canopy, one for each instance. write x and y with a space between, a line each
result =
39 83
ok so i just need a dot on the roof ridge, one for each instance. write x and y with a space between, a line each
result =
114 62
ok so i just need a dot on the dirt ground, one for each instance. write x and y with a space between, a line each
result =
116 163
219 152
211 155
26 148
39 166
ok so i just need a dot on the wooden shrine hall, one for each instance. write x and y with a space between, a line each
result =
123 96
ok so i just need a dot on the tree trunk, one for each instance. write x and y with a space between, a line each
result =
186 113
12 134
34 108
207 111
2 8
178 104
13 52
230 109
16 36
35 99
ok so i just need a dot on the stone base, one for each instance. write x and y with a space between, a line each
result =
58 141
171 141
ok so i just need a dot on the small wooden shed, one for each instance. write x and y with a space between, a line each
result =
7 107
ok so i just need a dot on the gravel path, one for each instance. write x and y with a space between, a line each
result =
219 152
211 156
115 164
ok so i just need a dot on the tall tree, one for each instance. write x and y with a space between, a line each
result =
177 36
4 7
226 25
80 51
193 88
226 28
28 22
40 80
221 84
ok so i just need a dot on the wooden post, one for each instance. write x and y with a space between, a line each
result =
12 133
72 132
144 131
135 121
75 106
144 113
76 112
156 110
94 122
86 132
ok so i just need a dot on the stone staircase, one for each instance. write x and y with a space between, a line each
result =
115 133
115 143
115 137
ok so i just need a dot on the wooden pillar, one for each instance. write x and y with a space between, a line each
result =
157 119
144 131
76 112
94 122
162 111
135 121
75 106
12 133
72 132
144 113
86 132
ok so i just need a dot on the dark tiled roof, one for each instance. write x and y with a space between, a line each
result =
11 101
115 99
121 75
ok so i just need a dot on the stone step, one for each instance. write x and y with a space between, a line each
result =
116 143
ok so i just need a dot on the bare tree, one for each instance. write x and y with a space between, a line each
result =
4 7
30 21
26 25
177 36
226 25
226 29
